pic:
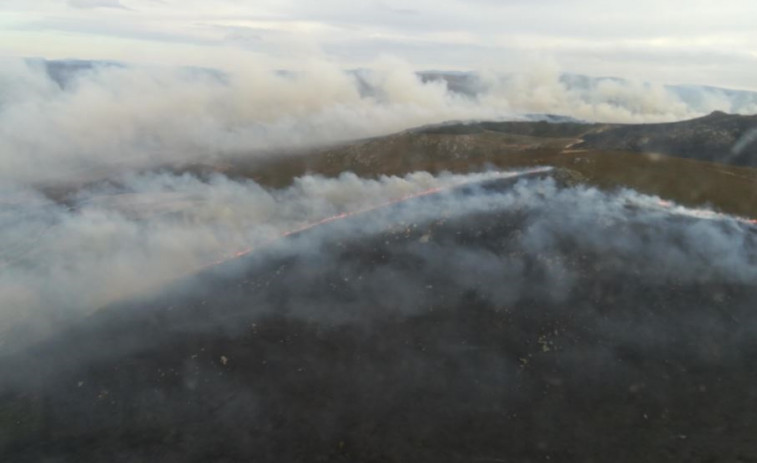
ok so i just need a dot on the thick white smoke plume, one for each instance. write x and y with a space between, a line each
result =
105 120
119 242
84 121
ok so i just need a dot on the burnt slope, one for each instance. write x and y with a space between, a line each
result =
445 340
718 137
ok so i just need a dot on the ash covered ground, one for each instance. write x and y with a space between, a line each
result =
526 321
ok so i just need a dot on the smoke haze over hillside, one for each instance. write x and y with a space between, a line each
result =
91 120
381 231
69 122
120 241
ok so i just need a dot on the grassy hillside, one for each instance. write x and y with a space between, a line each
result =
466 148
470 147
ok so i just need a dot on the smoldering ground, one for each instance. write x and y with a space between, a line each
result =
519 323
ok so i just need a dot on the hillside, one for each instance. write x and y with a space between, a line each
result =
606 156
438 340
547 315
718 137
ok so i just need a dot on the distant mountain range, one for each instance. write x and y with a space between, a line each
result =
699 98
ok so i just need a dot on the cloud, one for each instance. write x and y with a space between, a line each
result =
587 36
86 4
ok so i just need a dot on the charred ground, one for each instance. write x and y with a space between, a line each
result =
442 340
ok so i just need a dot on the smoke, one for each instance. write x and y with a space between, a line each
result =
91 120
69 124
453 287
115 242
119 241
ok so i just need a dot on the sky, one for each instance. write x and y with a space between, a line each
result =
672 41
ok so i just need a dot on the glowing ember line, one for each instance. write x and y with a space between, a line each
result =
243 252
705 214
668 206
344 215
662 203
334 218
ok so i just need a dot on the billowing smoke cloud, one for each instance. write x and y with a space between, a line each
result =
72 123
115 242
120 241
103 118
453 288
515 300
